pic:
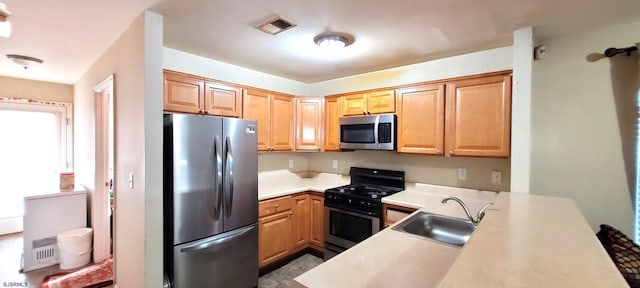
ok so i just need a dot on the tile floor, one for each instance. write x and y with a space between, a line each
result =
11 252
283 276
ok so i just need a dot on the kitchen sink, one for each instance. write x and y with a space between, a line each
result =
439 228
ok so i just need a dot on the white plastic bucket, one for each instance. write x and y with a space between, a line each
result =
74 247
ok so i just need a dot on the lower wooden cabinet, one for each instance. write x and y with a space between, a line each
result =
290 224
301 222
317 222
394 213
275 226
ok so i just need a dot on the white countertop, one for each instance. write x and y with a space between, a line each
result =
282 182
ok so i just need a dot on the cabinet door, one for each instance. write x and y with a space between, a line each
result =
257 106
281 120
182 93
421 119
274 237
381 102
331 124
301 216
222 100
317 221
478 121
355 104
308 123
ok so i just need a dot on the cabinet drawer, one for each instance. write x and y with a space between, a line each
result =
272 206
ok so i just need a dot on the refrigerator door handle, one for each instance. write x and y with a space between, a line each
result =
199 246
217 195
228 197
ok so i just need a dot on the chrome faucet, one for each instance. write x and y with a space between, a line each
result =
466 209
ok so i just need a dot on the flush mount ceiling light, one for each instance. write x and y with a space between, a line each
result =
5 25
333 40
24 61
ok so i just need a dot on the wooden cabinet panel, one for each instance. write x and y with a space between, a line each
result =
421 119
257 106
381 102
182 93
331 123
317 221
273 206
281 117
222 100
274 237
301 221
394 213
355 104
479 117
308 123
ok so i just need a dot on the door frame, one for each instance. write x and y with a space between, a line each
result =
100 202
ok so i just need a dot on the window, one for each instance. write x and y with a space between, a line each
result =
35 147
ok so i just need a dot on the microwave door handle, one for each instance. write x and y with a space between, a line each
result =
375 130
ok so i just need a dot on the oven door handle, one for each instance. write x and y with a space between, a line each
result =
361 215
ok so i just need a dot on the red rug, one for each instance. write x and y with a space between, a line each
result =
96 275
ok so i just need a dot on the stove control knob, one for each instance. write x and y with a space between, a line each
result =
349 201
341 190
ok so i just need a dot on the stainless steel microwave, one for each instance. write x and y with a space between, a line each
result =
372 132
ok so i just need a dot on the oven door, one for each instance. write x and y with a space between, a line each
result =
345 228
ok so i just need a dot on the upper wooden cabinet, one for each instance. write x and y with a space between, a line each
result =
192 94
274 113
331 125
478 117
183 93
421 119
222 100
308 123
382 101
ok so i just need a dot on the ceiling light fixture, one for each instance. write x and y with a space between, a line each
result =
333 40
24 61
5 25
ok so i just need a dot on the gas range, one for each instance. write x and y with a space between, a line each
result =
364 194
354 212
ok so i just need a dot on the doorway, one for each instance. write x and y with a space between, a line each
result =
102 207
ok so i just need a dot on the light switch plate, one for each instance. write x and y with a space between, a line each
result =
462 174
334 164
290 163
131 180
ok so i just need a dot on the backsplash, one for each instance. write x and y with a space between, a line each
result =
418 168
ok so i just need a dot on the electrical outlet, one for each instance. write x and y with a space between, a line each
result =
462 174
496 177
290 163
335 164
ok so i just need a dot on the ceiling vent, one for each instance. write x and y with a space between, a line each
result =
276 25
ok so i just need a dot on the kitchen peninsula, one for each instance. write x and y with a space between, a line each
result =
523 241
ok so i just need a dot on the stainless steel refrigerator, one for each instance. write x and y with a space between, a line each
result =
210 201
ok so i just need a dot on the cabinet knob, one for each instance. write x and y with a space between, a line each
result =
277 206
438 151
450 152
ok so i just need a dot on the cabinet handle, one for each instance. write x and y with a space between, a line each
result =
450 152
438 151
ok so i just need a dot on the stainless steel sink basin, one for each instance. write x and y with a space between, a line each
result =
438 228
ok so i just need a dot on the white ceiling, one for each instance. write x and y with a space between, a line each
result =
70 35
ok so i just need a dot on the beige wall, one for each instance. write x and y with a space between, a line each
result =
270 161
583 123
31 89
135 60
424 169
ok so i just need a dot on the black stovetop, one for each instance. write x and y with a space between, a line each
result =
364 194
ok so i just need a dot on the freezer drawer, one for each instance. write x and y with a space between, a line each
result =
226 260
